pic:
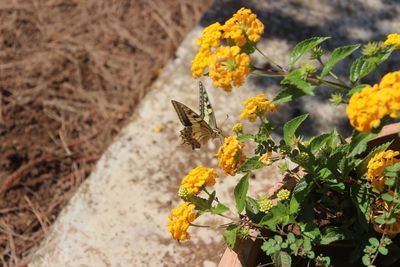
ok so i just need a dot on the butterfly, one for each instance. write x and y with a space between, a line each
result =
198 129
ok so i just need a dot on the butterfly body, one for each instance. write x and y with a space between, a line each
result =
198 129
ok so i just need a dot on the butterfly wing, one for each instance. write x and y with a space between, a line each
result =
196 130
206 110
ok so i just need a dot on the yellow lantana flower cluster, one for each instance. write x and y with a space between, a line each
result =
243 24
367 107
230 155
265 204
376 167
180 219
255 106
283 194
196 179
228 65
393 39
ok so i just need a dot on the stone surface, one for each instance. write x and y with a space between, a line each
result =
118 217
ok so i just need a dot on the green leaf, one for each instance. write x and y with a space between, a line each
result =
279 214
296 79
362 66
252 206
241 192
289 129
359 143
373 241
230 235
245 137
303 47
250 164
281 259
387 197
288 94
362 201
331 234
318 142
299 193
201 203
356 89
338 54
393 168
219 209
384 251
365 259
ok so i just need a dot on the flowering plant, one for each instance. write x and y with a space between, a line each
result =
344 192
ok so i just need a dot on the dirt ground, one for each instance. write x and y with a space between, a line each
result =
71 74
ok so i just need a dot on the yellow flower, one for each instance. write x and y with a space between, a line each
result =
390 84
237 128
200 62
376 167
228 66
210 37
393 39
230 155
197 179
179 221
266 158
367 107
283 194
243 23
257 105
265 204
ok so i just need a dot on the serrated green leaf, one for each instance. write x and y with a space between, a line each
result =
362 201
288 94
281 259
299 193
230 235
296 79
289 129
219 209
318 142
338 54
303 47
200 203
356 89
361 67
250 164
252 206
241 192
279 214
393 168
358 143
245 137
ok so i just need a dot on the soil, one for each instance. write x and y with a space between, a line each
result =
71 72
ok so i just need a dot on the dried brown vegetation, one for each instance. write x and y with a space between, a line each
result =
71 73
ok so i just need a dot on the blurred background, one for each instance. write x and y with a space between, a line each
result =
85 90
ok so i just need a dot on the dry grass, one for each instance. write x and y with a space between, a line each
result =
71 73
